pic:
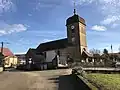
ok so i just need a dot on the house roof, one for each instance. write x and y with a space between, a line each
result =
57 44
31 50
20 55
86 53
7 52
114 53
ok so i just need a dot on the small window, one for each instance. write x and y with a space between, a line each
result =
73 31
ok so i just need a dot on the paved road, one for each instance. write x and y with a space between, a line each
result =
38 80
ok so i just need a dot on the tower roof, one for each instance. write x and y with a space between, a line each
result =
75 18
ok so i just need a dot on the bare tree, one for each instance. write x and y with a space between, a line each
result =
105 51
95 51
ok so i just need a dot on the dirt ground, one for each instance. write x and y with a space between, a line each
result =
37 80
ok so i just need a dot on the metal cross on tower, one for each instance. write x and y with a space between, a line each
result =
74 7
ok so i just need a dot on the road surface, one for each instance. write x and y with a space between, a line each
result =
38 80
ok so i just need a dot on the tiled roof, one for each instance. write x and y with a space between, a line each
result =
57 44
7 52
31 50
20 55
117 54
88 54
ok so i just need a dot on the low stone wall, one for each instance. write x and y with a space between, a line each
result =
81 84
81 76
1 69
90 64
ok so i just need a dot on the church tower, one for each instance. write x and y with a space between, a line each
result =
76 34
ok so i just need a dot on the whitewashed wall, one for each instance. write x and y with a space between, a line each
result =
10 60
50 55
63 56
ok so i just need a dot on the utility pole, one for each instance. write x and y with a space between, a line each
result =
112 52
2 47
111 49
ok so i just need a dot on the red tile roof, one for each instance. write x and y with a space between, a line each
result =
7 52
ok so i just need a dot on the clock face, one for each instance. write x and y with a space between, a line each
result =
72 27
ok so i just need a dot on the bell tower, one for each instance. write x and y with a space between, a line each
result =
76 34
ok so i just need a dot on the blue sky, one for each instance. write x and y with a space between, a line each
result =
27 23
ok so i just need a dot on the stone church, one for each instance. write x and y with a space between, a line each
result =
74 46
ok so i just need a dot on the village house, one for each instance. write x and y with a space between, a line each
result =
21 58
34 59
10 60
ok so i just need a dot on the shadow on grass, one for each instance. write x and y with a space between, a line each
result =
70 82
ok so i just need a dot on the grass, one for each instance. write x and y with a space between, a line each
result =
92 87
105 81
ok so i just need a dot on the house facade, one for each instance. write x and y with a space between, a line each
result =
10 60
34 59
21 58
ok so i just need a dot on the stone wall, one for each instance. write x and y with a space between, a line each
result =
87 63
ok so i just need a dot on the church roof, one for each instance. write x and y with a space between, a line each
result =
75 18
57 44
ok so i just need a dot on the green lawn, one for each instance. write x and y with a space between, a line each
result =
105 81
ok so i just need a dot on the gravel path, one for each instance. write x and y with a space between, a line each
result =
37 80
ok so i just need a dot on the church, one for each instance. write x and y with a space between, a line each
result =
57 52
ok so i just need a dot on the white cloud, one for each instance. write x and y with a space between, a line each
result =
114 25
29 14
110 19
2 32
81 2
47 4
6 5
46 40
8 29
109 8
20 53
99 28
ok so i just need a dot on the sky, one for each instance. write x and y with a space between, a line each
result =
25 24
